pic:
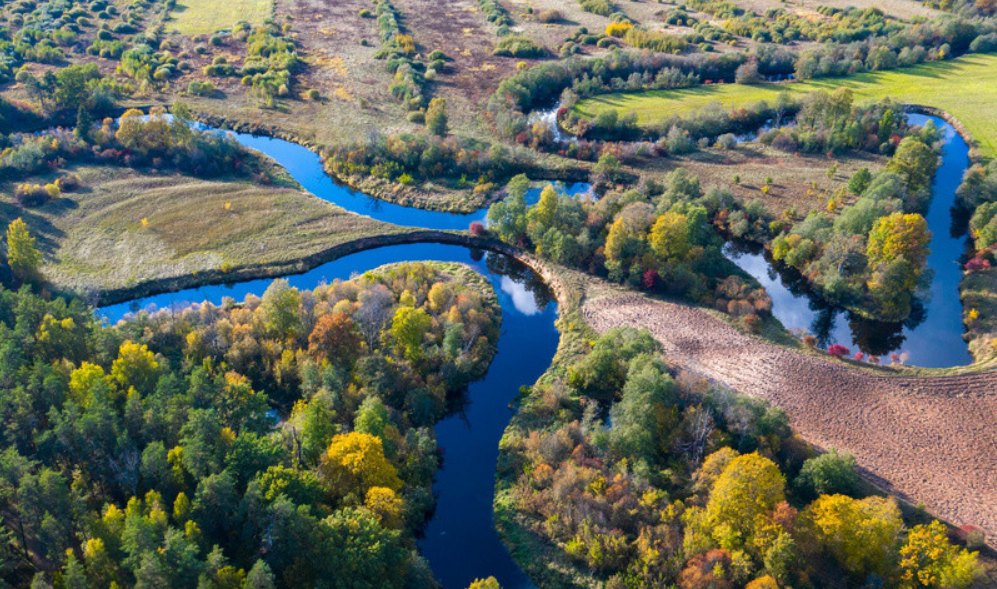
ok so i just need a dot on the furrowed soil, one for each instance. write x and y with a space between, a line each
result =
928 440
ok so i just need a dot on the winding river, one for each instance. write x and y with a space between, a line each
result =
460 541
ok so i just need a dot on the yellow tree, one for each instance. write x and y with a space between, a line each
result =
386 505
409 327
24 258
670 236
744 493
355 463
928 559
861 534
489 583
544 212
899 235
82 380
135 367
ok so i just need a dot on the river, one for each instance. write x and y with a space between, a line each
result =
932 336
460 541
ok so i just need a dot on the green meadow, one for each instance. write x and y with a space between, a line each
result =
965 87
201 17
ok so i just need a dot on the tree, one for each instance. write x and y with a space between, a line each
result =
335 338
489 583
748 489
135 367
915 162
83 379
828 474
279 310
860 181
354 463
260 577
436 117
670 237
363 555
899 235
645 411
386 505
860 534
409 327
23 257
928 559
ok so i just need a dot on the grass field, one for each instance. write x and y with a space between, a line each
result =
964 87
201 17
95 239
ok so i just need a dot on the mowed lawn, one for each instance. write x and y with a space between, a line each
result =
965 87
200 17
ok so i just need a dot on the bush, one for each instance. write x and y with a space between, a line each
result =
618 29
549 16
521 47
838 351
600 7
35 195
828 474
198 88
366 13
478 229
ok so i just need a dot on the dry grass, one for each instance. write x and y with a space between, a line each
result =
201 17
95 239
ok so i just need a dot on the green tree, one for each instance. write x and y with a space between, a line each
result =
409 327
436 117
860 180
23 257
828 474
260 577
279 310
915 162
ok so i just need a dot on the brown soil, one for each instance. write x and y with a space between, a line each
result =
928 440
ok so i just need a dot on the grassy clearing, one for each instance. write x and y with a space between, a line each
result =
963 87
201 17
95 239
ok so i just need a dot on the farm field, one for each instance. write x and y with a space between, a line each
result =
963 87
196 17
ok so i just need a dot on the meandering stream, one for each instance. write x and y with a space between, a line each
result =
460 540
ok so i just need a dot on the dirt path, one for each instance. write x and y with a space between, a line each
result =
929 440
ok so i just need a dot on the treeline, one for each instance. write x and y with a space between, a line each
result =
870 256
419 157
644 478
658 238
136 140
285 441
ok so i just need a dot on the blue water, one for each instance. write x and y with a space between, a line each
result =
306 167
932 337
460 540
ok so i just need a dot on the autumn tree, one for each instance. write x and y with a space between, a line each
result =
409 327
899 235
436 117
928 559
748 489
670 237
335 338
23 257
860 533
136 367
489 583
354 463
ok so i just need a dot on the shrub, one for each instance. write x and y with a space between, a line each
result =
478 229
366 13
618 29
313 94
976 264
549 16
838 351
35 195
521 47
600 7
198 88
